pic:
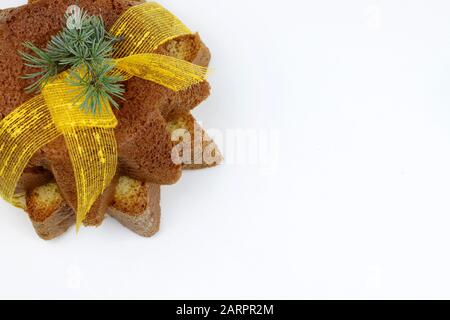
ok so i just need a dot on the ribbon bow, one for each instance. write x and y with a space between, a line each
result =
90 138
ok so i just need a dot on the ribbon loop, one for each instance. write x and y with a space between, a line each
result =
22 133
144 28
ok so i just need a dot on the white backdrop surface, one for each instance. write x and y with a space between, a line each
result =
355 201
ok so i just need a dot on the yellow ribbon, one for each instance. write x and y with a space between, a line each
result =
90 138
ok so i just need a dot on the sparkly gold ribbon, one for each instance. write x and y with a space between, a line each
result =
90 138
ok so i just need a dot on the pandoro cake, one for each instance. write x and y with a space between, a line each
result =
147 116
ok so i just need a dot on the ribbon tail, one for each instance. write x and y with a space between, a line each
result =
22 133
93 152
170 72
90 142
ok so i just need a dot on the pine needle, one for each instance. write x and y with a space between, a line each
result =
87 52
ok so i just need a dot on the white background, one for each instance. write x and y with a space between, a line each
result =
357 205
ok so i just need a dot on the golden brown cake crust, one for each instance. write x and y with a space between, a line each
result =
56 224
40 210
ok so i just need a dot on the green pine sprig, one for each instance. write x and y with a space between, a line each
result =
87 48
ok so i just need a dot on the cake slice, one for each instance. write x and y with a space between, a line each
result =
136 206
50 215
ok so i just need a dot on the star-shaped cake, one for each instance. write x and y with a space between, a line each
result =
147 117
